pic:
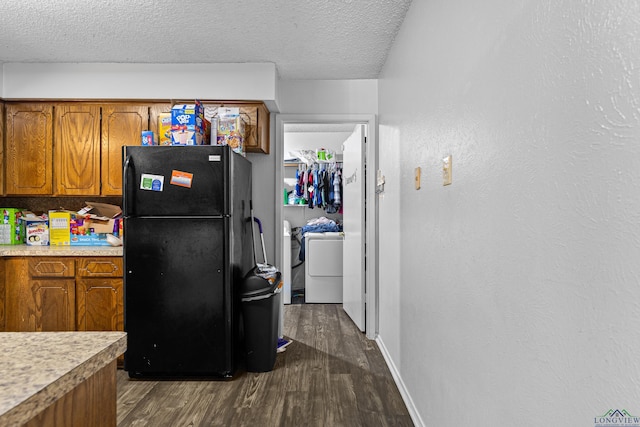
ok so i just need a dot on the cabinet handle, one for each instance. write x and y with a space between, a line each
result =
125 173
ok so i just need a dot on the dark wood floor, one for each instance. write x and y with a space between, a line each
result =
330 375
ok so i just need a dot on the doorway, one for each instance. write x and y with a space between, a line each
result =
337 123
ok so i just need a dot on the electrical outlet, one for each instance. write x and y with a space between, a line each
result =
446 170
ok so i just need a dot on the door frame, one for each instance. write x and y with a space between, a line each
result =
370 199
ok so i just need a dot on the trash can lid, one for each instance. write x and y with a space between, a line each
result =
260 281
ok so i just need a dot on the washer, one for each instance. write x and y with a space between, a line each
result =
323 268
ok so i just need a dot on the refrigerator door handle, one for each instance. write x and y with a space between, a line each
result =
125 200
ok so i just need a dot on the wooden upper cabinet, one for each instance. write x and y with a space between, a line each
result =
29 149
77 150
121 125
256 120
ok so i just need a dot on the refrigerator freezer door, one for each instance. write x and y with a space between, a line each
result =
176 180
181 312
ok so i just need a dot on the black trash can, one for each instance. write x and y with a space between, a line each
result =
260 294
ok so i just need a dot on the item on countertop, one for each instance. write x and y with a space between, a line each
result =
59 228
10 231
35 229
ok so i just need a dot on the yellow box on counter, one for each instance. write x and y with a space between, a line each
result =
59 228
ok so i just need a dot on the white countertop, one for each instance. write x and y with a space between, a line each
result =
25 250
37 368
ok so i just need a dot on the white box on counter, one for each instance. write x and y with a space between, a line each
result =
35 231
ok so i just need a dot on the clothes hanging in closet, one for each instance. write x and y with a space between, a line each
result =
320 186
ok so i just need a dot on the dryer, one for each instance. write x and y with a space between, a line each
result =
323 267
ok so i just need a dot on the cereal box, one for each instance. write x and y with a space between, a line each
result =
164 129
10 231
231 129
148 138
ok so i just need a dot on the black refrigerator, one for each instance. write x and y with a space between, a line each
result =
187 246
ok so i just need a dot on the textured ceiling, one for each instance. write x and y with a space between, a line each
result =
306 39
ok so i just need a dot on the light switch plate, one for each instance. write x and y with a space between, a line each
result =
446 170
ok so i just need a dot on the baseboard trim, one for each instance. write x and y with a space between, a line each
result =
406 397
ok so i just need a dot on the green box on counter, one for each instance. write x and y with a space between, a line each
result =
10 230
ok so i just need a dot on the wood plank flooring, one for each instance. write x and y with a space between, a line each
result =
330 375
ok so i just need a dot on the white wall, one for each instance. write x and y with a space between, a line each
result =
328 96
249 81
518 284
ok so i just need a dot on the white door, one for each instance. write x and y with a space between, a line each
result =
353 179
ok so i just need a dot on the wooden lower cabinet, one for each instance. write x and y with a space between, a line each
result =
40 294
99 294
63 294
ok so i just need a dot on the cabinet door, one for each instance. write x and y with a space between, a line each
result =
40 294
99 294
260 143
77 150
121 125
29 149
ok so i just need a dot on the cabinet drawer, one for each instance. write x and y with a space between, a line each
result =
51 267
99 267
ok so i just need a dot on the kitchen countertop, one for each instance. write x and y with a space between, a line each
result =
25 250
37 368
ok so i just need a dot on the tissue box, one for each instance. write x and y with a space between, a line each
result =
35 231
10 231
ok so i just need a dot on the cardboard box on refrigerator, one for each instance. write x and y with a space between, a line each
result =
188 125
164 129
230 129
